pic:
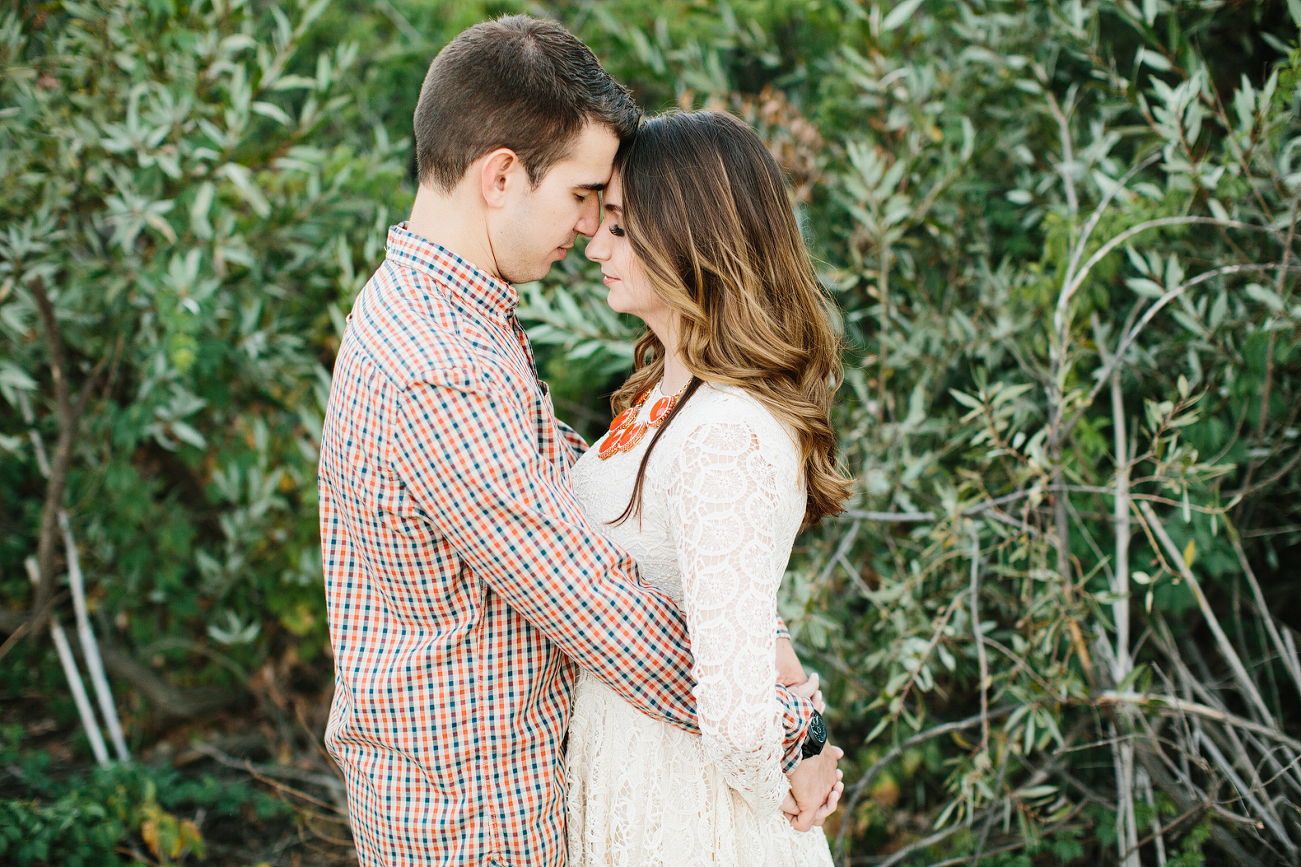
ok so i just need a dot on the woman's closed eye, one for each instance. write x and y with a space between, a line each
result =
616 230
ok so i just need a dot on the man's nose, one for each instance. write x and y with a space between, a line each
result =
589 219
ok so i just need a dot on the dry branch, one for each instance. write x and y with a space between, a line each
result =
69 413
171 704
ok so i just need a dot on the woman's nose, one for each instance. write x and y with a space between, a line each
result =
596 248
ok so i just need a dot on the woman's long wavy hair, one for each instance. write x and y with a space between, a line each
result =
706 210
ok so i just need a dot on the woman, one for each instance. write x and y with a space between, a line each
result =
722 449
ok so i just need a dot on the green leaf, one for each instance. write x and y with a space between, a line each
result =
271 110
899 14
877 729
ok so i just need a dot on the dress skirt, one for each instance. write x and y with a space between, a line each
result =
643 793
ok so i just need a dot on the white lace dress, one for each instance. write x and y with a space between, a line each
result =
723 499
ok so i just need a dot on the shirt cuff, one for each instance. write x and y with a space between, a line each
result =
797 715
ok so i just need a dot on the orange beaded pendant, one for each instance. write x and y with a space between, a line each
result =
623 419
624 435
629 438
661 410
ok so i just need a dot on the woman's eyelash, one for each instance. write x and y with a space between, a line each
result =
616 230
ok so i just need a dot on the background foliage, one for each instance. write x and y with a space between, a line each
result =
1058 622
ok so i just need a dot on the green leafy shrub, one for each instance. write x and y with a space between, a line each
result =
169 196
1061 238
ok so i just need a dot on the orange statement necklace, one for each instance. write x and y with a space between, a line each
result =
625 432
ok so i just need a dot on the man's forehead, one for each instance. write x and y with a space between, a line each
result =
590 160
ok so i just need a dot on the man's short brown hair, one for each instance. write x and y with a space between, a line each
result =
516 83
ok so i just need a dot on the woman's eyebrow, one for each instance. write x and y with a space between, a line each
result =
613 207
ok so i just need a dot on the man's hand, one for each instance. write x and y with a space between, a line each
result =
816 786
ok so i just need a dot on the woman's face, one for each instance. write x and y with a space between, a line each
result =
630 290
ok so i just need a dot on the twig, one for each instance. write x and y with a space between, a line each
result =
1019 663
1082 244
1181 706
1127 827
85 634
70 671
927 842
1064 130
1120 512
1289 660
889 517
841 550
58 476
1226 647
989 816
89 646
1266 813
1012 847
323 780
1273 334
1077 279
935 639
1104 376
945 728
980 645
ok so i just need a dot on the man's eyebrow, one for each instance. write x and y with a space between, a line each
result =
596 188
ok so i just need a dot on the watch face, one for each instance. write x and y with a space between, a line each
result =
818 729
816 738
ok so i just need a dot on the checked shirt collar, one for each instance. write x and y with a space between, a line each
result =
467 284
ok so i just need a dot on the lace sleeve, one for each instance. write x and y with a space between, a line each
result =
722 506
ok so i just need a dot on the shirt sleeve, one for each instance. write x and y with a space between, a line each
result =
467 453
570 437
723 512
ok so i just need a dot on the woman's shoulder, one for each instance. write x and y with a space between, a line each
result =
719 407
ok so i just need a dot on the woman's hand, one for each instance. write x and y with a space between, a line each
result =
789 670
790 674
811 690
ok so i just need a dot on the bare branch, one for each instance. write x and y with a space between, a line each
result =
62 458
1171 705
921 737
1226 648
980 645
69 412
1068 156
1289 659
1104 377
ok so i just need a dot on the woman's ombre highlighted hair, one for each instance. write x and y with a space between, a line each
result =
706 210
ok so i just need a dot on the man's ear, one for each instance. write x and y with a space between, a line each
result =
499 171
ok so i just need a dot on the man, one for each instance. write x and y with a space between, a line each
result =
461 577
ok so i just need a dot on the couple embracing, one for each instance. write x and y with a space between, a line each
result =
545 653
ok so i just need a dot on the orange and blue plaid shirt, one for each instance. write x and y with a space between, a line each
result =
462 578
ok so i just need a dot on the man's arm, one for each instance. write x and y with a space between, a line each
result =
577 445
468 456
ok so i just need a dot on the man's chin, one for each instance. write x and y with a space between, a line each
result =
527 275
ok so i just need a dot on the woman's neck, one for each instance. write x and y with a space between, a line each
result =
676 375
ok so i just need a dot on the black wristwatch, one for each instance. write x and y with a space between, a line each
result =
816 739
